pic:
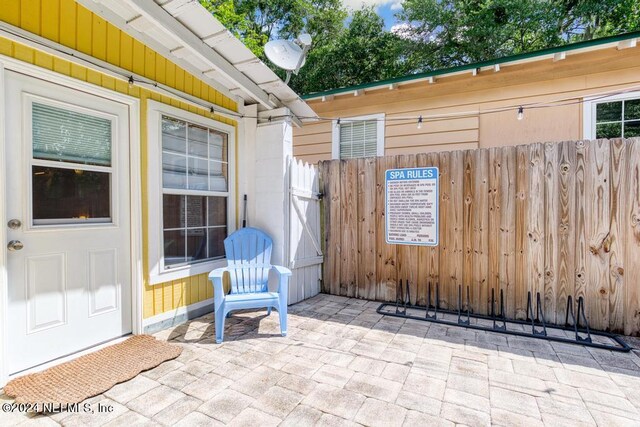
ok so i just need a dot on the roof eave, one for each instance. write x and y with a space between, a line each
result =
579 47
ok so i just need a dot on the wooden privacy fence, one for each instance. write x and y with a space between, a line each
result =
556 218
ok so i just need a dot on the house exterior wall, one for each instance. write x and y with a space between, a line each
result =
571 79
72 25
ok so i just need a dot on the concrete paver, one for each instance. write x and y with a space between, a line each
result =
343 364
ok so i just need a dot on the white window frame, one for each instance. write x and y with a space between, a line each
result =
335 134
589 111
157 274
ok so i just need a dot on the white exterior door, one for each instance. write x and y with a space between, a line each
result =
68 212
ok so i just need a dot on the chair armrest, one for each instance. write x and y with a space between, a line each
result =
283 282
218 289
281 271
217 273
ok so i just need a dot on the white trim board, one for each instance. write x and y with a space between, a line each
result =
175 317
3 237
33 71
589 111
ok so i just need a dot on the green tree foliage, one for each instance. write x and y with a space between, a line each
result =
463 31
436 33
361 52
255 22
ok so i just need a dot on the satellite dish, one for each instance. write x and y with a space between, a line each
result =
288 55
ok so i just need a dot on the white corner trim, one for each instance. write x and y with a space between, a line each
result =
177 312
3 238
589 111
154 146
335 133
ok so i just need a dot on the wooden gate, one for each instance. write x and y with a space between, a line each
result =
304 250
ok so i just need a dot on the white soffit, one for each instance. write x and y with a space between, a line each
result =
215 55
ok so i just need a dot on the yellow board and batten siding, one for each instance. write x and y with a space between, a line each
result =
72 25
470 97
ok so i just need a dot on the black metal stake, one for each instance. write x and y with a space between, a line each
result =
540 314
399 297
586 323
460 321
501 315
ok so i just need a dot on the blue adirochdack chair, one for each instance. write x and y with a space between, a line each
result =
248 252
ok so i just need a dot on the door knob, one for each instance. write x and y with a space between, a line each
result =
15 245
14 224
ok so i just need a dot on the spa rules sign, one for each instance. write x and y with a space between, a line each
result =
412 206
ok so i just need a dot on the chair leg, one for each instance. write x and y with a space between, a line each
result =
219 326
268 311
282 312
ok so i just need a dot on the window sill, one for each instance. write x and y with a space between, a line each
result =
186 271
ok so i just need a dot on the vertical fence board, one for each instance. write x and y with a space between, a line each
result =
480 221
565 265
423 266
469 187
522 162
325 180
580 212
456 238
632 233
597 221
408 254
349 219
550 230
433 253
507 261
334 228
367 228
446 225
535 219
386 272
361 290
617 181
495 218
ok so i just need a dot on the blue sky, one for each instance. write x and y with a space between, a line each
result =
385 8
387 14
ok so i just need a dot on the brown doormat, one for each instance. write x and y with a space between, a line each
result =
92 374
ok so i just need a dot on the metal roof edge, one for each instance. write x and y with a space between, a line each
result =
476 65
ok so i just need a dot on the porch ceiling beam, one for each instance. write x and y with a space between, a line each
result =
164 20
103 11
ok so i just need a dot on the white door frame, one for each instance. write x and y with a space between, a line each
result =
7 63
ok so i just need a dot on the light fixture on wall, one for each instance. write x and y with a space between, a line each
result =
131 82
520 113
420 122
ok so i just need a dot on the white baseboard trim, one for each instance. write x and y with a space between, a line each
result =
177 316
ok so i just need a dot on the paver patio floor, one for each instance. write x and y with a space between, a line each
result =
343 364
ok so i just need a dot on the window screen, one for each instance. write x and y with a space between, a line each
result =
359 139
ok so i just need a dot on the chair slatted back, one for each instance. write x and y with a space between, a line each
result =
248 252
